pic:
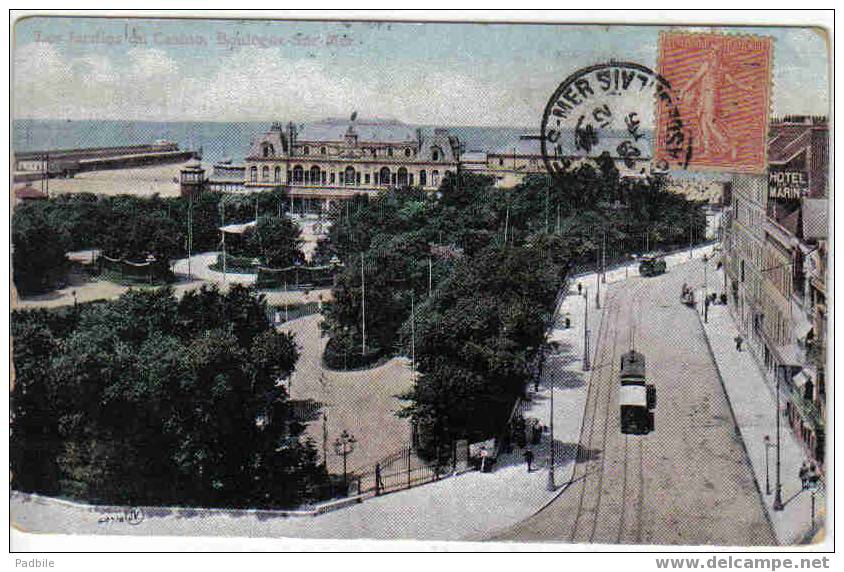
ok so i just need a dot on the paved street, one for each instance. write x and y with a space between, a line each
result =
688 482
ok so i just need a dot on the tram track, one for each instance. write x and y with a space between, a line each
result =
609 400
605 497
603 387
592 494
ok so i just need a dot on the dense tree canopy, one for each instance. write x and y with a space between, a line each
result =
152 400
39 249
130 227
275 241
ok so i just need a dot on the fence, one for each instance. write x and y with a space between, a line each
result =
151 272
404 470
281 313
295 276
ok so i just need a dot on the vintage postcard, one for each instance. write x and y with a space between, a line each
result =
490 282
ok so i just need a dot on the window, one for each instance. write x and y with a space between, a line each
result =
385 176
265 173
423 178
322 150
350 175
436 153
501 161
402 177
333 178
298 174
277 174
306 150
366 178
407 152
315 174
267 150
253 174
390 151
435 178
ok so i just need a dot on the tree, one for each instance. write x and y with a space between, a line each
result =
39 248
276 241
150 400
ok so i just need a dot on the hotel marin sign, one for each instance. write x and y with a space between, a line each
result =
787 185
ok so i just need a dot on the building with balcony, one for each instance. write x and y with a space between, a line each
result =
775 270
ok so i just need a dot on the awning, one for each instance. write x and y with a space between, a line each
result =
237 228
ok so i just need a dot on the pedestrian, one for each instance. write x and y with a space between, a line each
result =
812 476
529 459
536 384
579 288
803 473
568 320
738 340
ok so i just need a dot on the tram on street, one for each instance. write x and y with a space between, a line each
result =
652 265
632 368
636 418
637 398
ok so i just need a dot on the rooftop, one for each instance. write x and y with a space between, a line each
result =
373 130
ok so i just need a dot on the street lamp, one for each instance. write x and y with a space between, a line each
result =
778 505
551 486
344 445
813 484
586 365
768 446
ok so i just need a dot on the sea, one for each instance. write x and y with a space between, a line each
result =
220 141
217 140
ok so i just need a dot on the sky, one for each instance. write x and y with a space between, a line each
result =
429 73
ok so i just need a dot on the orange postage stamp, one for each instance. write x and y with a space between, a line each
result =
723 86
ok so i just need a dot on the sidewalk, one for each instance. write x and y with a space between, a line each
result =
630 269
753 403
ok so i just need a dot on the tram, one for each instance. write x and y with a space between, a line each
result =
652 265
637 398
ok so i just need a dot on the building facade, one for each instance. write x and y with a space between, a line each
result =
336 159
775 271
510 163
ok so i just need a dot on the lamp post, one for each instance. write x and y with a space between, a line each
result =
768 446
778 506
325 441
597 278
813 483
604 257
344 445
586 365
551 486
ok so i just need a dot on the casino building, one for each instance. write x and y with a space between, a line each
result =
335 159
